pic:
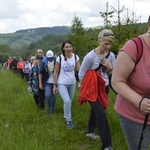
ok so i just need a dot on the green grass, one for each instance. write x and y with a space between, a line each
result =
24 127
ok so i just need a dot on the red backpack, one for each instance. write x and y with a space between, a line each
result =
139 47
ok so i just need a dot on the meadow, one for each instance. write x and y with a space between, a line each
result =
24 127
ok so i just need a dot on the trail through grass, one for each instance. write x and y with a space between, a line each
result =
24 127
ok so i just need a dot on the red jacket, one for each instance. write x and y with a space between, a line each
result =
93 88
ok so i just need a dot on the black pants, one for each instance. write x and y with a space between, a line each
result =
21 73
36 99
41 98
26 76
98 120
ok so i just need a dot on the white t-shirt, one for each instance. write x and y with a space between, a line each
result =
67 74
50 70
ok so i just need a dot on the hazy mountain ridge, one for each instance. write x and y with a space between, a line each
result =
28 36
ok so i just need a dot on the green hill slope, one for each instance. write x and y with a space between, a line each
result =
25 37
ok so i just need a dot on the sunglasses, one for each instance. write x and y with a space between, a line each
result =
108 34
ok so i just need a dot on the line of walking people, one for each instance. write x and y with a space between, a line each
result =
53 75
57 74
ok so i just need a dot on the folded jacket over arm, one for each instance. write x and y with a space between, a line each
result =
93 88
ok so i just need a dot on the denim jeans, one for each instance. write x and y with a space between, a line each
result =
49 96
67 92
132 131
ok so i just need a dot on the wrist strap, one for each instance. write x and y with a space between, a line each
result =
141 102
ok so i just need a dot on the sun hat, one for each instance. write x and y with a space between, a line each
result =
49 54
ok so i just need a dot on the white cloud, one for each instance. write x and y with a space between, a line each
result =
24 14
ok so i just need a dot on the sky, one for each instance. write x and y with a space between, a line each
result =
26 14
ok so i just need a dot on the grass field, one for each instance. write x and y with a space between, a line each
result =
24 127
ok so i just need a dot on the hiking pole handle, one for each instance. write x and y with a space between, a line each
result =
144 126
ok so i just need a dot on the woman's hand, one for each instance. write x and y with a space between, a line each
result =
105 62
145 105
41 86
55 90
79 85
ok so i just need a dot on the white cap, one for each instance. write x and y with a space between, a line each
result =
49 54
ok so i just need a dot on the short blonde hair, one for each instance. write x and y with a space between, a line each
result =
39 51
32 58
106 34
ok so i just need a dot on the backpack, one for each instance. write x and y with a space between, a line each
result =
76 72
139 47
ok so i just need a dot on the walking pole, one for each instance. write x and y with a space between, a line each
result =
144 126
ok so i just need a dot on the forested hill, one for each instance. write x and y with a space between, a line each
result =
58 30
27 36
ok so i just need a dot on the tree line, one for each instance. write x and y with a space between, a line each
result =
85 39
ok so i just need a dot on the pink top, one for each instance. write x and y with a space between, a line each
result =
138 81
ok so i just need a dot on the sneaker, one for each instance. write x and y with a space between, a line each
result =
69 124
108 148
93 135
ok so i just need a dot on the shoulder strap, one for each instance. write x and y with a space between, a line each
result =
139 46
75 57
59 64
100 65
60 60
54 61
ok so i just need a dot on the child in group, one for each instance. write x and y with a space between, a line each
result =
34 80
26 69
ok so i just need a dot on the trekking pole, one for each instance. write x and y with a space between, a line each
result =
144 126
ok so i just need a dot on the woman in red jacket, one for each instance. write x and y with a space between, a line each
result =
20 66
91 67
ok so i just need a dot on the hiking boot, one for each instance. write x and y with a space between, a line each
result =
93 135
70 125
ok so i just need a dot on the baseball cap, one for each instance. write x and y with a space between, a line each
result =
49 54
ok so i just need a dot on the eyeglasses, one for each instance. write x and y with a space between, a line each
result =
108 34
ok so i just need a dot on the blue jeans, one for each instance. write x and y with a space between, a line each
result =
132 131
49 96
67 92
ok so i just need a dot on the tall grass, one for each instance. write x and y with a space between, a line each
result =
24 127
